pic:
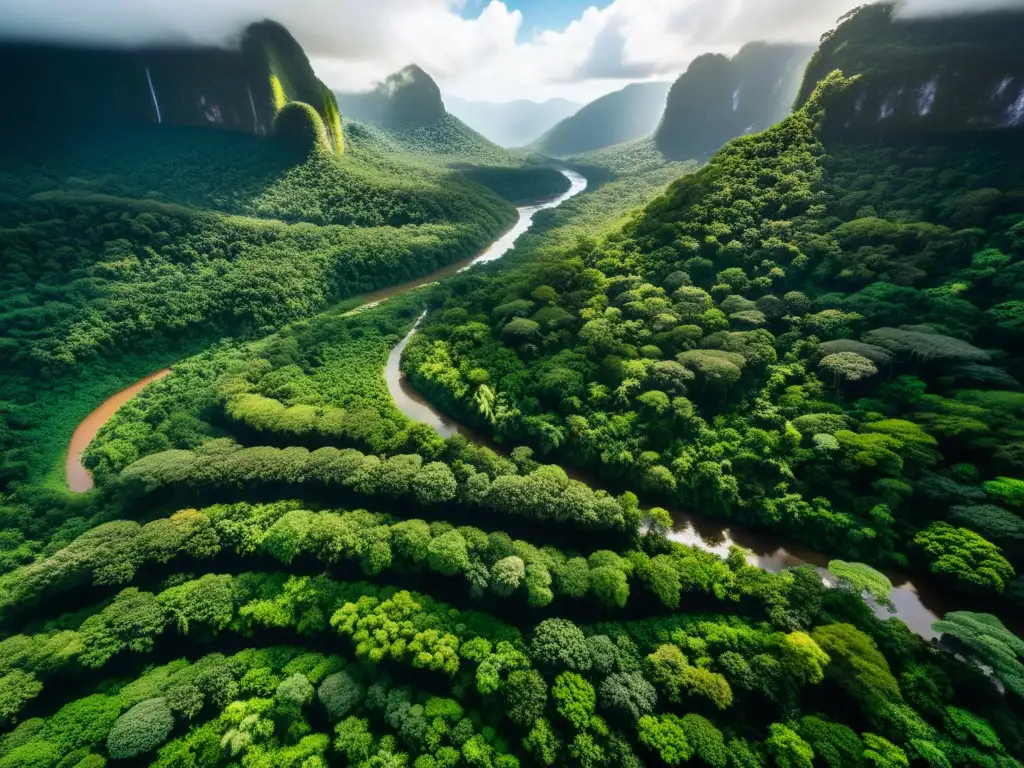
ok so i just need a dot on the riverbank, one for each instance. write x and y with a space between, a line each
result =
77 476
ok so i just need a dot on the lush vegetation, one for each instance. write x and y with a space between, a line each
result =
144 245
405 114
815 338
278 568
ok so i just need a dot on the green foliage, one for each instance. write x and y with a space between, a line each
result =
788 749
141 729
707 741
339 693
860 578
961 554
665 736
142 272
302 126
526 694
559 644
627 695
985 640
858 666
848 366
1008 490
671 672
687 351
883 753
574 699
834 744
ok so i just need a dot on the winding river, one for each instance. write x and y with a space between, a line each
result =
77 476
918 605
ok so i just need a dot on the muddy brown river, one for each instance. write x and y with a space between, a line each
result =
78 477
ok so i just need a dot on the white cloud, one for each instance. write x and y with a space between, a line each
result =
942 7
596 53
355 42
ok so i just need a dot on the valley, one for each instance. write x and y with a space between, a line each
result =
681 425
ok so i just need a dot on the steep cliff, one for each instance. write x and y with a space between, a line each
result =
52 89
935 75
407 99
625 115
718 99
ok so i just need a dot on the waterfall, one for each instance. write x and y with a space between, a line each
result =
926 97
255 117
152 92
1015 113
736 99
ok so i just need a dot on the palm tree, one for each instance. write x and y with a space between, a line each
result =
484 399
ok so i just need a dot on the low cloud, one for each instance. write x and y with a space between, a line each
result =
912 8
354 43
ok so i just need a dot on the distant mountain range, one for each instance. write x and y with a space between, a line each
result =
625 115
512 123
718 98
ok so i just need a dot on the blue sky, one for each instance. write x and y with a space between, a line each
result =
541 14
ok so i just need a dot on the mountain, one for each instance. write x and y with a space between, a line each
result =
943 74
618 117
718 98
405 114
513 123
408 98
61 89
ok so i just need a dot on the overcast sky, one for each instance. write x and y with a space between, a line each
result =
483 49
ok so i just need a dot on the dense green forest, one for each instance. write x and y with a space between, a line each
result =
795 354
151 242
811 334
612 645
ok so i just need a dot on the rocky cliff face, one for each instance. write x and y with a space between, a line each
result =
407 99
927 75
718 98
50 89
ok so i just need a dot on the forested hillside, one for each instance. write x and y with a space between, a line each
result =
825 353
276 478
123 247
817 333
405 115
623 116
906 84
